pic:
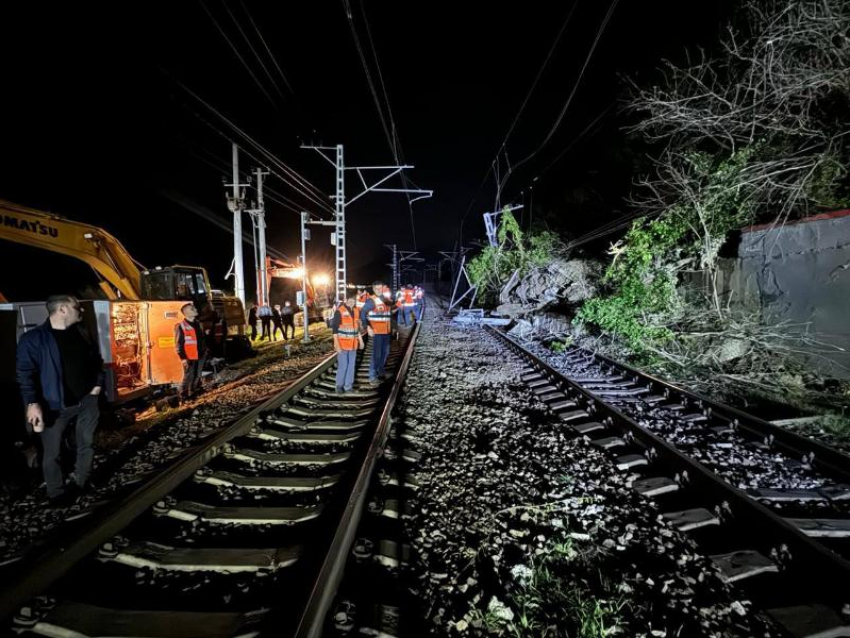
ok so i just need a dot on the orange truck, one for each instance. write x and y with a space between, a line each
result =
135 323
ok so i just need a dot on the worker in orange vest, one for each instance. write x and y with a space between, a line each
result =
362 296
408 305
376 317
190 346
348 339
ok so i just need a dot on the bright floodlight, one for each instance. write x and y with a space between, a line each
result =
321 279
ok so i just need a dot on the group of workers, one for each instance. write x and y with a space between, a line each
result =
273 319
60 370
373 314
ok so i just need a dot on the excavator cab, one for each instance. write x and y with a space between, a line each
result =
222 317
184 283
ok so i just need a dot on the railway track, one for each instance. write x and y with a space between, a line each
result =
782 545
243 536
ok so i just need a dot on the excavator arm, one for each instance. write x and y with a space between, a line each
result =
119 274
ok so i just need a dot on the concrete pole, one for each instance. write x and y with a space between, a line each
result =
339 218
238 270
304 217
261 236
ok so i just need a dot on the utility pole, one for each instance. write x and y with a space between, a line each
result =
236 203
394 266
258 219
305 235
338 237
399 257
339 231
492 226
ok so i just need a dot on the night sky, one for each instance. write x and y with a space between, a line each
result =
97 123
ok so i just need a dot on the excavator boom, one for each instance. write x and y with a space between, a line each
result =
120 276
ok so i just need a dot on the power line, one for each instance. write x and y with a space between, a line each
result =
236 52
221 165
395 145
559 119
390 131
575 140
301 185
611 227
211 217
539 75
253 50
540 71
268 50
348 12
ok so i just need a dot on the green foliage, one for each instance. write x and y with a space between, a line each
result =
491 269
552 602
643 286
824 186
642 277
561 346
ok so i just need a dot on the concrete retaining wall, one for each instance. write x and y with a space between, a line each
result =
796 274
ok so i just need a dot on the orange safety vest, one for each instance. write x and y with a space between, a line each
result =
190 340
380 317
349 328
408 298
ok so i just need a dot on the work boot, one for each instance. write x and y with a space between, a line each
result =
65 499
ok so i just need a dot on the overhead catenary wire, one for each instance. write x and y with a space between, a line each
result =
257 51
578 137
395 145
253 50
268 50
390 130
572 143
301 184
221 164
350 15
599 31
538 76
208 215
611 227
236 52
540 71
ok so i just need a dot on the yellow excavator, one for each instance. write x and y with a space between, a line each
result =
135 324
121 276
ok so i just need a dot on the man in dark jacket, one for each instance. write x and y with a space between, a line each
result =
287 317
60 373
277 322
252 321
192 349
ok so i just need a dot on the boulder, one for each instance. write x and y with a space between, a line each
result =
561 282
522 329
551 324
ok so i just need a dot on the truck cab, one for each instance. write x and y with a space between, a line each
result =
222 315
